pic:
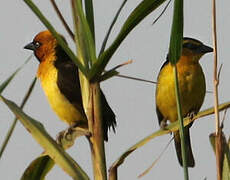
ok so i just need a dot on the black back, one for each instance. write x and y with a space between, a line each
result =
69 85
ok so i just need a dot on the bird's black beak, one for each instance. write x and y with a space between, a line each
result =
30 46
206 49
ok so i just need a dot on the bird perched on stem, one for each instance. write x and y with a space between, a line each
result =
60 82
192 90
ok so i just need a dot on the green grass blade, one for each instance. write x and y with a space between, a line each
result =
84 39
62 19
173 56
38 168
90 16
111 27
45 140
170 128
136 16
180 119
107 75
42 165
9 79
12 127
176 32
60 40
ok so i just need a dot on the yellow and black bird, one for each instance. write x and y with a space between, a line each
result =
60 82
192 90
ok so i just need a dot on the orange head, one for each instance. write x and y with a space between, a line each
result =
43 45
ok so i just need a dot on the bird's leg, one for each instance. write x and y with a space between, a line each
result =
163 124
67 137
191 114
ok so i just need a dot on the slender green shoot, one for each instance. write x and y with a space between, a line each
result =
9 79
180 118
137 15
90 16
111 27
62 19
12 127
175 49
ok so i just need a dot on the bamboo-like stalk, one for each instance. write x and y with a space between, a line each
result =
96 139
90 95
216 100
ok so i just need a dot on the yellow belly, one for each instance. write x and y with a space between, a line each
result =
61 106
192 90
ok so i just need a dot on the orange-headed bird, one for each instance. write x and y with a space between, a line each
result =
192 91
60 82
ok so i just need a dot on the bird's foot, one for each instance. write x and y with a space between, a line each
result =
163 125
191 115
67 137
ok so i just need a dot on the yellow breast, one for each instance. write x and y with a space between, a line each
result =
192 89
47 73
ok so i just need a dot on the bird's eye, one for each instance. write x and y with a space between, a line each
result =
37 44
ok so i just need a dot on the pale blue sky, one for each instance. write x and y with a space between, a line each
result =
132 101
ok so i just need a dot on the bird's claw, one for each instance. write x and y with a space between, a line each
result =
191 115
163 125
66 138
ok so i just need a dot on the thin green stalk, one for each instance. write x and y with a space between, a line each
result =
137 15
111 27
172 127
10 131
136 79
90 16
174 56
62 19
9 79
181 122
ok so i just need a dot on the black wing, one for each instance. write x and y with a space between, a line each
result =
69 84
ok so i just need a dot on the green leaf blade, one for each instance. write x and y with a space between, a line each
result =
138 14
45 140
90 16
11 77
84 38
176 32
38 168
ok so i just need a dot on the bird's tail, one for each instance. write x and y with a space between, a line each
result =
108 116
189 154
